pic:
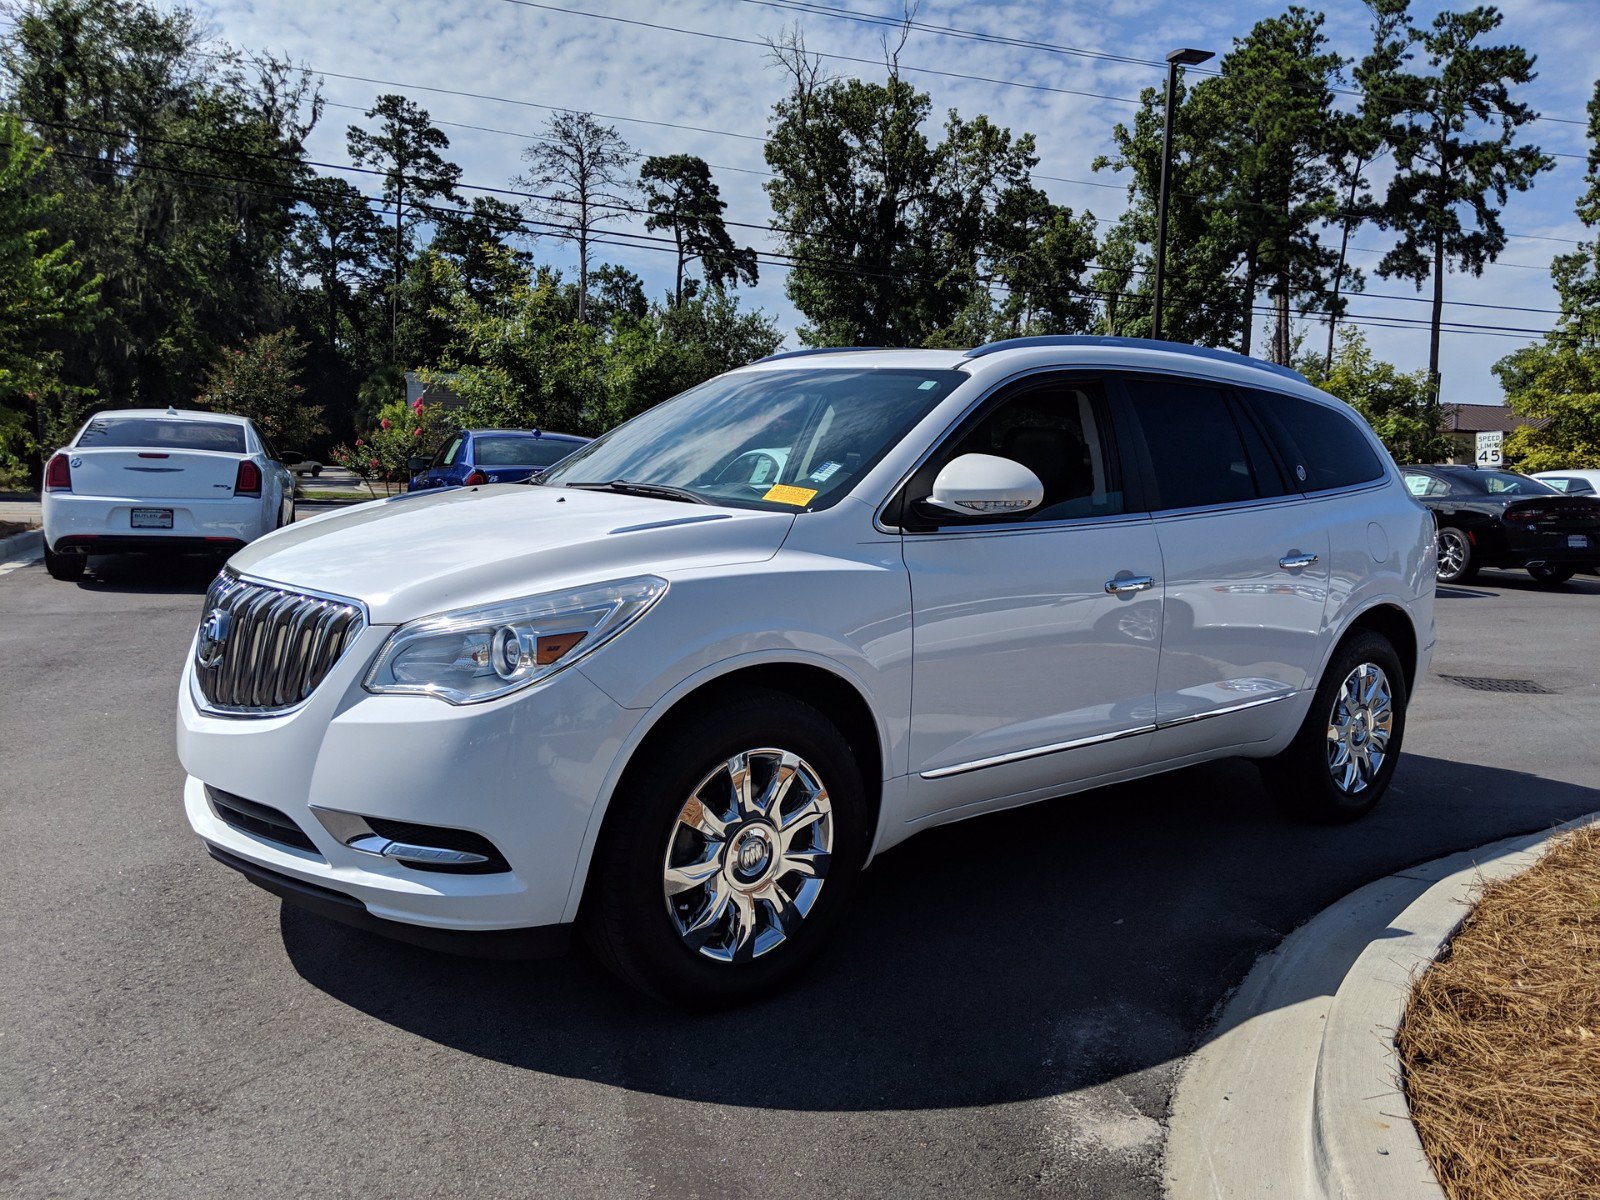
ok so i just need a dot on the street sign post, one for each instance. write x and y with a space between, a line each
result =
1489 445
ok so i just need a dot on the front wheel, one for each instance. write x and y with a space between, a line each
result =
733 846
1340 762
65 566
1456 563
1551 576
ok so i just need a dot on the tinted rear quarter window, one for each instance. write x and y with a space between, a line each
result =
519 451
1197 454
1322 446
156 433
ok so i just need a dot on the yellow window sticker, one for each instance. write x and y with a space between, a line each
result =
784 494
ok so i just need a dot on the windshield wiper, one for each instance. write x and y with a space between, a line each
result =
658 491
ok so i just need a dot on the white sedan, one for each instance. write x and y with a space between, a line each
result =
143 479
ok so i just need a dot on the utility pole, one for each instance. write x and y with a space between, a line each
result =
1187 58
399 250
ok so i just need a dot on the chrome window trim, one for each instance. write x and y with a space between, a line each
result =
1100 739
1089 371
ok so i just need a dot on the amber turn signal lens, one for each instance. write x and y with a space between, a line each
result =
551 646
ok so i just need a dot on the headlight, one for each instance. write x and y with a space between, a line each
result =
483 653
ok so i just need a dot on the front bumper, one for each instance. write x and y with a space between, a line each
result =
524 772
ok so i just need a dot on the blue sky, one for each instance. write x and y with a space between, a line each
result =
518 58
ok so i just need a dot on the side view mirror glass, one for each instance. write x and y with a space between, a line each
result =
985 485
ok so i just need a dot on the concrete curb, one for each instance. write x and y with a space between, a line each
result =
1294 1092
21 547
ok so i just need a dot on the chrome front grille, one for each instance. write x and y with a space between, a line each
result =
264 649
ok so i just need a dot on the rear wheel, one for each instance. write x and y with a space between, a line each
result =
1551 576
65 566
732 849
1456 563
1340 763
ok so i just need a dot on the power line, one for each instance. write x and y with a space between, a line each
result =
632 210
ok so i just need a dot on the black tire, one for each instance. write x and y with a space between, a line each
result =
1548 576
67 567
626 918
1456 547
1301 779
316 470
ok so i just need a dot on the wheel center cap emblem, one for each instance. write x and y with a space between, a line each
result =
213 642
751 855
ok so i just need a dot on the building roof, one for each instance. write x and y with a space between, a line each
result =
1482 418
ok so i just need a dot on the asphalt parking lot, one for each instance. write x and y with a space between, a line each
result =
1005 1013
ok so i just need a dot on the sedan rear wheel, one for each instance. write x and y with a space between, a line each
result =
1455 556
65 566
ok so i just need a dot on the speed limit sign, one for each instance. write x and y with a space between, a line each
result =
1489 445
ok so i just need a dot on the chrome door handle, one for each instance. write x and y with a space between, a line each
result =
1125 584
1296 562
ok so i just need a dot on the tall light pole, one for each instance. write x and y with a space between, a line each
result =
1178 58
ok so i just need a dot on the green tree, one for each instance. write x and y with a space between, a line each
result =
1555 383
44 292
1397 405
1455 161
883 228
484 242
580 173
336 242
1042 253
178 163
1360 139
261 380
408 149
683 198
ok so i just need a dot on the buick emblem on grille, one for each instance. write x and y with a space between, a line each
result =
213 638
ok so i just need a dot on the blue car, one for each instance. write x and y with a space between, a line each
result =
473 456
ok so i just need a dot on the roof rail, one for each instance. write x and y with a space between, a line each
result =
817 350
1130 343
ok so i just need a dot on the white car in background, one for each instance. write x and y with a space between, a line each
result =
142 479
1578 482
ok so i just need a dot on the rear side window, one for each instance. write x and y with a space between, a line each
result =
156 433
1322 446
1196 451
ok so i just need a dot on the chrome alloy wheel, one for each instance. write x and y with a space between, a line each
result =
1359 728
1453 553
748 855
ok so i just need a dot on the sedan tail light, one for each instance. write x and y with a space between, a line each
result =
248 481
58 475
475 478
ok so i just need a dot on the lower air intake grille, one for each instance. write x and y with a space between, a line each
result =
258 819
263 649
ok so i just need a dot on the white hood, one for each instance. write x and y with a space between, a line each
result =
419 554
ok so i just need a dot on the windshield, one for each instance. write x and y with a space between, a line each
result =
518 451
770 439
1504 483
158 434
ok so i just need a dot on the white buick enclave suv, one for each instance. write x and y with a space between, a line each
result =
682 691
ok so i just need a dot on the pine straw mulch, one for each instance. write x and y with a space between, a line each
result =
1500 1045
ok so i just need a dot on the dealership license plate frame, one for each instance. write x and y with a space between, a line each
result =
150 518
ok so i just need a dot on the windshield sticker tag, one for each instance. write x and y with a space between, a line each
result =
784 494
825 472
928 386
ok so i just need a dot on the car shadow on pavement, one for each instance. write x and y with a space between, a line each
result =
1026 954
151 574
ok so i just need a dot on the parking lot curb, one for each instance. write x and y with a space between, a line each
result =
1294 1092
21 547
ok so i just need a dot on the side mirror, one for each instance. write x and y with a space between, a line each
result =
985 485
416 465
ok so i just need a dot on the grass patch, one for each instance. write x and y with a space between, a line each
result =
1500 1045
